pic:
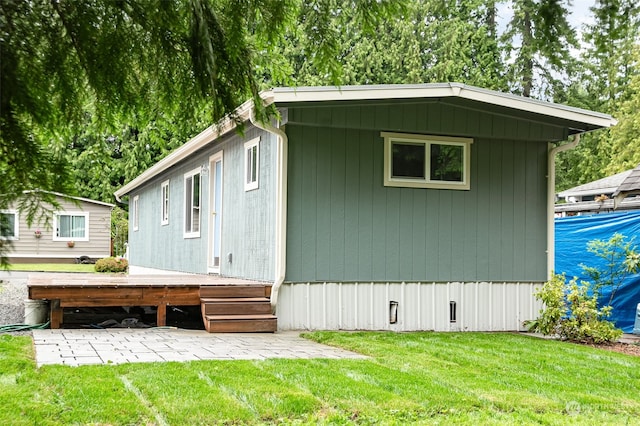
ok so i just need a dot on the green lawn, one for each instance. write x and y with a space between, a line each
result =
52 267
424 378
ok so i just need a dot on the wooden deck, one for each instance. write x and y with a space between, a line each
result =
95 290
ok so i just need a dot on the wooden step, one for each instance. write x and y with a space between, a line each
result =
234 291
235 306
241 323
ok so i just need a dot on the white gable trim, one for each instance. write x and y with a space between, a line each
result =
210 134
363 93
70 197
440 90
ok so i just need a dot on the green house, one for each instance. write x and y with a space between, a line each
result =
400 207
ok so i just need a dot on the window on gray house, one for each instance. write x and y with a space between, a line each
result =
192 204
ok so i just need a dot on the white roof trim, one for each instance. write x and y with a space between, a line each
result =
58 194
361 93
438 90
210 134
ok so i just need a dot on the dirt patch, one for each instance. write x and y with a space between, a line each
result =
625 348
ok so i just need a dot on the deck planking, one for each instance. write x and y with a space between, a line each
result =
96 290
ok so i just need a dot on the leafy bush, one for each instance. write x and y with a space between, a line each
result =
620 258
112 264
571 312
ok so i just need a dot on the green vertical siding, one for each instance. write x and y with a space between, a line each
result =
344 225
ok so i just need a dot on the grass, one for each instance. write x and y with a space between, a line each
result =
418 378
52 267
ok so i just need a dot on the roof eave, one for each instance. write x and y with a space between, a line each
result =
438 90
592 120
72 197
221 128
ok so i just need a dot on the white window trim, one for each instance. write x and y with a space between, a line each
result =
16 222
165 202
251 185
136 212
70 213
427 140
191 234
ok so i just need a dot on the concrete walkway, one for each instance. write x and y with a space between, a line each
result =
118 346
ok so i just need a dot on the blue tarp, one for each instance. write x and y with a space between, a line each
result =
572 236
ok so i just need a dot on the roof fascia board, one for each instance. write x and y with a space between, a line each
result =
359 93
393 91
205 137
71 197
538 107
363 93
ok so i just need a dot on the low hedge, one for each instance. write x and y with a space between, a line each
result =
112 264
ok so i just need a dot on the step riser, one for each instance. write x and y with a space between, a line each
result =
242 326
236 308
235 291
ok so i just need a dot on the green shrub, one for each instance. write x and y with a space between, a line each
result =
619 258
571 312
112 264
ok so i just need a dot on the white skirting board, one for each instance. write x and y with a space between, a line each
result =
478 306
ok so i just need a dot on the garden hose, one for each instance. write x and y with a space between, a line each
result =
22 327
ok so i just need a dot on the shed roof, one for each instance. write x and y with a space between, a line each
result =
607 185
576 120
631 183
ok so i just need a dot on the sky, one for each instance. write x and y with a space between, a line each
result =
579 11
579 15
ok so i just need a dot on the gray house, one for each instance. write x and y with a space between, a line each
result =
399 207
77 227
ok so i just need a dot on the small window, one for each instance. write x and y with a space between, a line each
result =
71 226
251 164
135 212
192 203
421 161
164 218
9 225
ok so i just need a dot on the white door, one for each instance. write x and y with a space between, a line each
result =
215 237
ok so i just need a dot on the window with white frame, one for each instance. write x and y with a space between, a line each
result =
251 164
9 225
421 161
192 203
135 212
164 208
71 226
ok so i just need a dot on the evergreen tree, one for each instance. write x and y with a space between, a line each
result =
606 83
543 55
125 61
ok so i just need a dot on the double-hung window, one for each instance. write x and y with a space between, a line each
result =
421 161
192 204
71 226
164 206
251 164
9 225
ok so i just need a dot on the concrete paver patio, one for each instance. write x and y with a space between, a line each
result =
76 347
